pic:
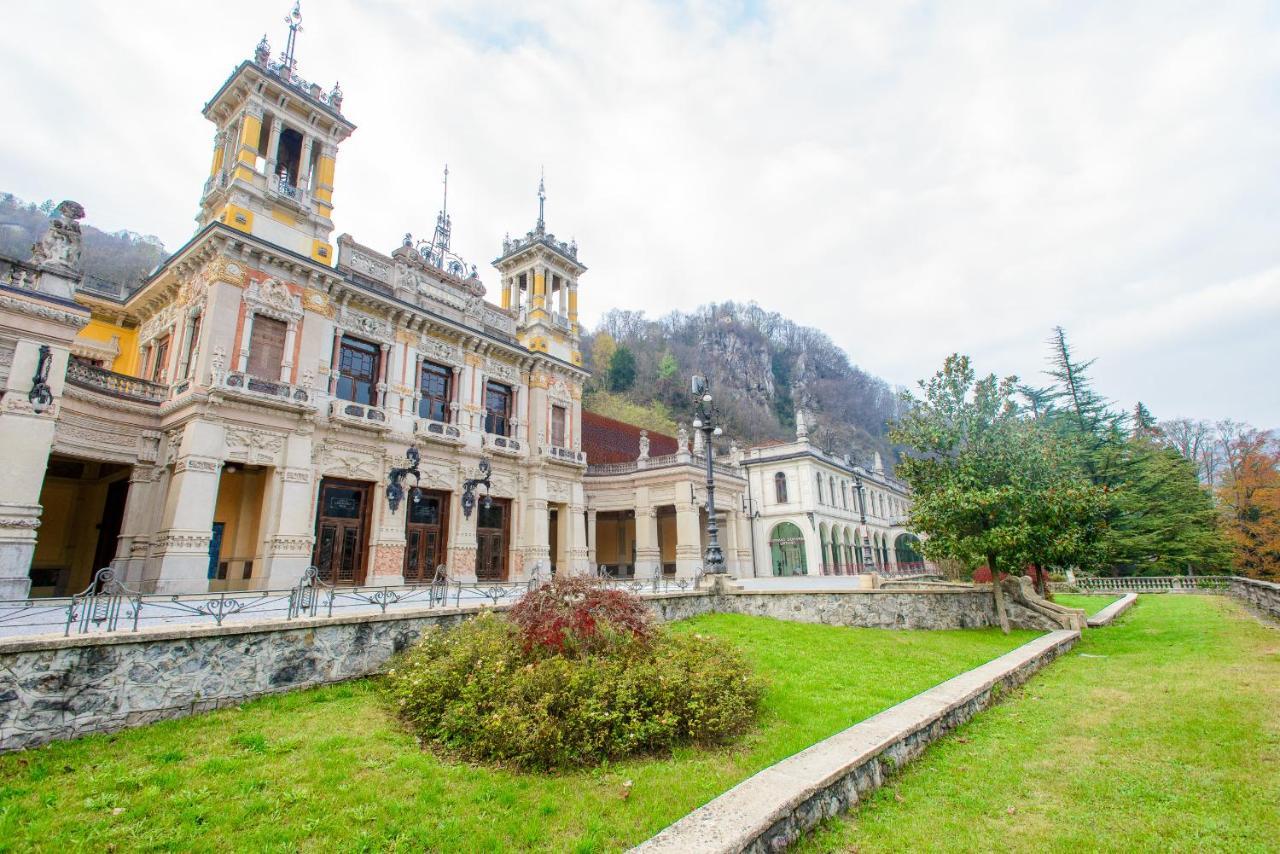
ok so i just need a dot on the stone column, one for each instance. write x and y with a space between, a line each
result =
333 361
384 361
688 538
462 548
25 435
304 165
246 336
593 559
272 154
648 552
136 527
289 534
539 522
182 544
578 555
286 364
386 557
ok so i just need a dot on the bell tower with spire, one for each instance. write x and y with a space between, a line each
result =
540 284
275 151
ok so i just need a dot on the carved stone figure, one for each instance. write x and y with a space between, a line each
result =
59 249
644 444
217 365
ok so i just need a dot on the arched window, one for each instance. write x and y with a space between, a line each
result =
780 487
786 550
831 490
844 494
907 552
817 476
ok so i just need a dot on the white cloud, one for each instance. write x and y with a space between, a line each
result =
912 178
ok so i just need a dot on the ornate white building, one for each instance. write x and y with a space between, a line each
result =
813 513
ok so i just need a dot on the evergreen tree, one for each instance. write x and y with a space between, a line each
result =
622 370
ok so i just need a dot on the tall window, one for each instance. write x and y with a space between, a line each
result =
497 409
358 371
435 385
780 488
160 366
557 426
266 347
818 478
831 491
844 494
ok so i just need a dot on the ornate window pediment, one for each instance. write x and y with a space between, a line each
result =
272 298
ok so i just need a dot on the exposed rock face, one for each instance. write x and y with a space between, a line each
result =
763 369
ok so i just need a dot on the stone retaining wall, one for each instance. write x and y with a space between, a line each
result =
774 808
55 687
886 609
1263 596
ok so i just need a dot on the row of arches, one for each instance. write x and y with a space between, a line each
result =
841 550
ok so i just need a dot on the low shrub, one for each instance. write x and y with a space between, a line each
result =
485 691
576 615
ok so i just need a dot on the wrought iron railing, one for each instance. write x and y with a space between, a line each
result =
657 582
92 377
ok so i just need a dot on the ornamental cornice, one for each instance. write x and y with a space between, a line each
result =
34 307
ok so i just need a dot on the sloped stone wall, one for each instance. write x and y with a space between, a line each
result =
1263 596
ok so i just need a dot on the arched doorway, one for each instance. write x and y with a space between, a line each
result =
786 550
906 549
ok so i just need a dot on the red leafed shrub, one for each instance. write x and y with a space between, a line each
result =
576 614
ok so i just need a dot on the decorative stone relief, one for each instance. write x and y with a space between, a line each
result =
367 324
502 370
253 446
273 298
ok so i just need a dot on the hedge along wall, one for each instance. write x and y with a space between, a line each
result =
52 688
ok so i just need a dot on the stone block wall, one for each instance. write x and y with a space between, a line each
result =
886 609
1262 596
53 688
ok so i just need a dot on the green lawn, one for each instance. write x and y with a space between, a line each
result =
1159 733
1091 604
327 769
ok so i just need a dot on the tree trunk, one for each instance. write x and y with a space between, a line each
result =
997 592
1040 584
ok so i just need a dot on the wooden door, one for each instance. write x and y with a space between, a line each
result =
341 531
492 530
426 535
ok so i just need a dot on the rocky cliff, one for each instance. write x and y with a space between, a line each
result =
763 368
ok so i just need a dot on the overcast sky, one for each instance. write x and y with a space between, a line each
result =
912 178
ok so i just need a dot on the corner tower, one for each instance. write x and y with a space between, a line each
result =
275 152
540 284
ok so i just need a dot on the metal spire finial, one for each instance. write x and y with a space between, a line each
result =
294 20
542 199
445 207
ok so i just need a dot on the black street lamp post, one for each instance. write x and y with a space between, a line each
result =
868 562
704 419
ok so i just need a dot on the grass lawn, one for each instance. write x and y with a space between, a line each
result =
1091 604
328 769
1158 733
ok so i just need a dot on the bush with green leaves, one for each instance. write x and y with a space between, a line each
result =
481 692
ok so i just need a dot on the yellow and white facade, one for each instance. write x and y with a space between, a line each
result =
234 420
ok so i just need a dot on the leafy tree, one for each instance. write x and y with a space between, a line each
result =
1250 498
965 464
603 346
667 366
622 370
